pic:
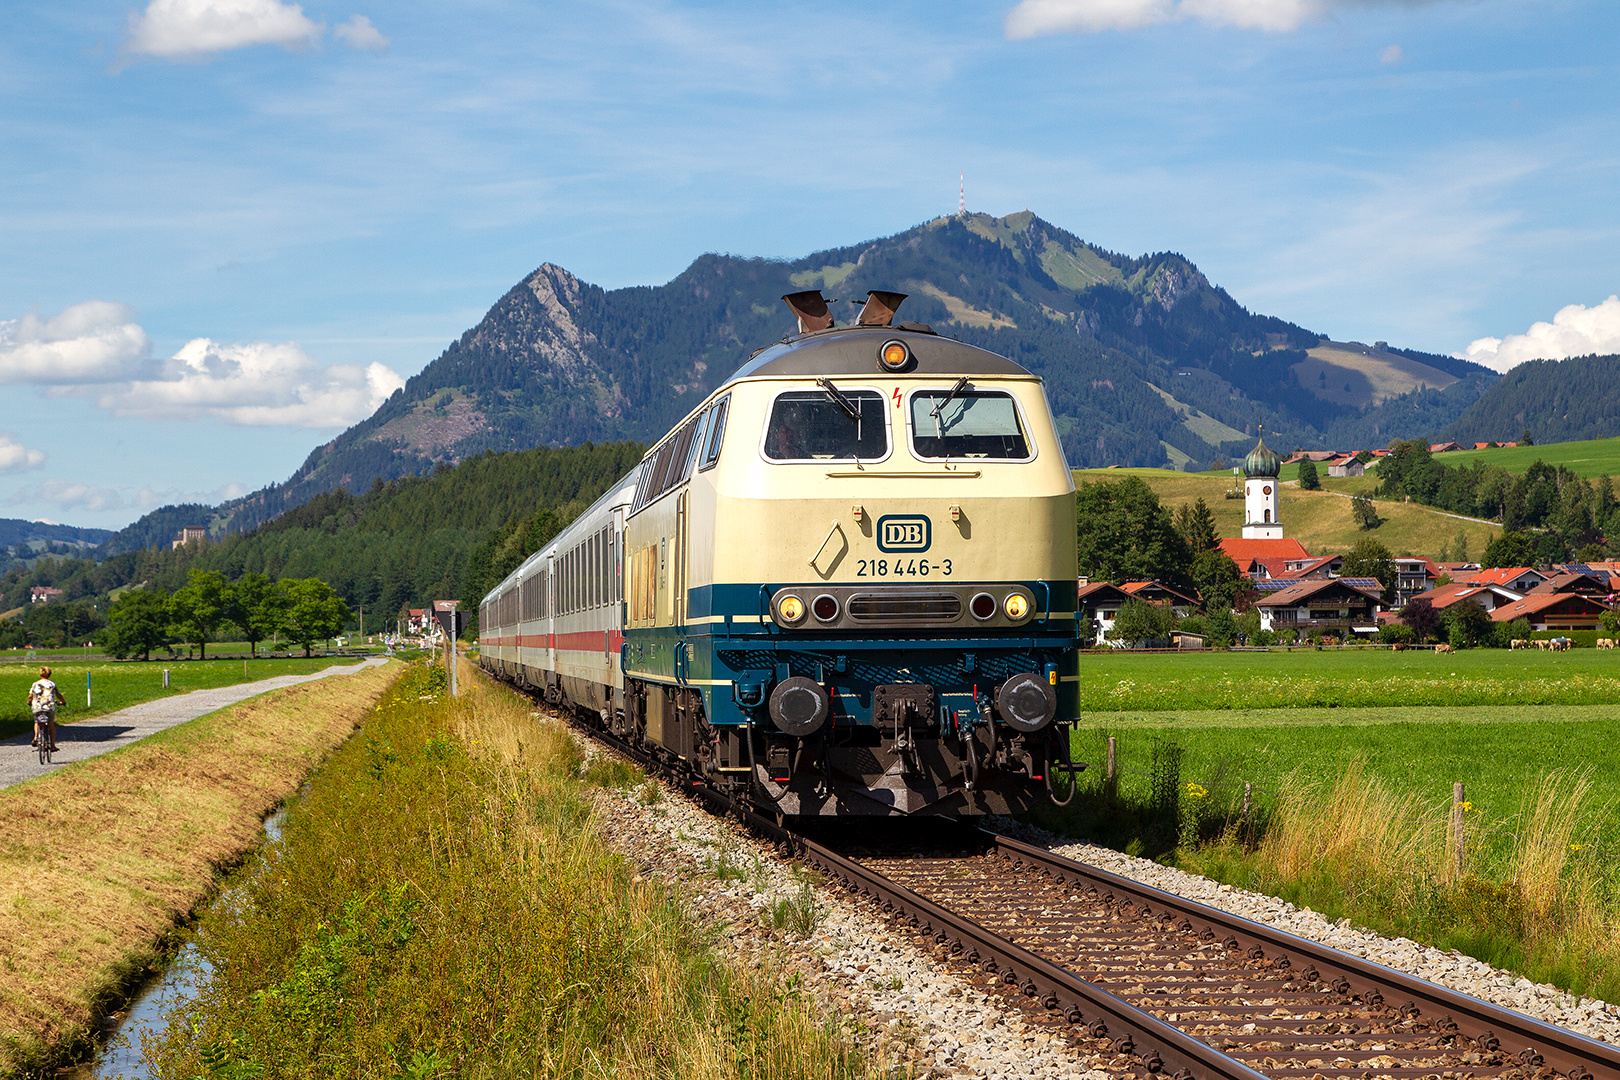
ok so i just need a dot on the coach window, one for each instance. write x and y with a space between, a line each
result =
815 425
717 432
967 424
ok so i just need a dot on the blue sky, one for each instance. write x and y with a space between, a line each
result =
230 226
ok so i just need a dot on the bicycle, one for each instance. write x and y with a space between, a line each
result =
42 732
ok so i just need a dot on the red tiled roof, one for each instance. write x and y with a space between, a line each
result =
1243 550
1536 603
1443 596
1134 587
1501 575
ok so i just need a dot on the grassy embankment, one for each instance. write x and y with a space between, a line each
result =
100 859
1353 756
441 905
1321 520
119 685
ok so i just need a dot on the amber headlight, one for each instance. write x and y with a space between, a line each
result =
1016 606
894 356
790 609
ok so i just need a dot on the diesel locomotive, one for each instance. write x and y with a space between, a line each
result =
844 584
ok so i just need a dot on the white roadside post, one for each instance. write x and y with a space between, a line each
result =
450 620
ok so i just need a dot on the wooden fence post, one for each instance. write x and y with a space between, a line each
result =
1459 847
1111 748
1248 798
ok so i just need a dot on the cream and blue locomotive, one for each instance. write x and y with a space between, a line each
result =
843 585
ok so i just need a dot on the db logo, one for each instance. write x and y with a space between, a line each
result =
904 532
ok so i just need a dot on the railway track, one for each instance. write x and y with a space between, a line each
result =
1176 988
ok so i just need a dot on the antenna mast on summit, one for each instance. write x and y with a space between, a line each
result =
961 196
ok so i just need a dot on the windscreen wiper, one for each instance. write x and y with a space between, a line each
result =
961 385
840 399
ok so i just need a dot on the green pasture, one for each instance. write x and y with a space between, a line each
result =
1589 459
119 685
1304 678
1494 720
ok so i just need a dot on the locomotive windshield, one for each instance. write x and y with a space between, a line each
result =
966 424
811 425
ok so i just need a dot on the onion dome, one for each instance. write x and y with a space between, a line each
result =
1261 461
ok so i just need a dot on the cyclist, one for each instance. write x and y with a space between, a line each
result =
43 698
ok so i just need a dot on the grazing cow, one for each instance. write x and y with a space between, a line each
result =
1543 643
1605 642
1519 643
1560 644
1444 648
1399 646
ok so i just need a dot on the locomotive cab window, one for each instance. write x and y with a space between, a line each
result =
816 425
716 432
963 423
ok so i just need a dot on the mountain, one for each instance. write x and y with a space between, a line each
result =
1554 400
1146 362
14 531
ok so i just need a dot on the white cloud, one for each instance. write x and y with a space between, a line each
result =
90 342
358 33
1038 18
187 29
70 495
255 384
1577 330
1392 55
15 457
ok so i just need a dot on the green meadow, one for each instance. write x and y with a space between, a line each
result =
115 686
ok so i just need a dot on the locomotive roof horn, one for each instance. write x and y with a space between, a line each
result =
811 309
880 308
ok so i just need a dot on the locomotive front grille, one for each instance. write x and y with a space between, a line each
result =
921 607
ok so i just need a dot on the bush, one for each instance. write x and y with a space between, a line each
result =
1396 634
1262 637
1508 632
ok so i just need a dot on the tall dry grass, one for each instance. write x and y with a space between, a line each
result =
442 905
99 859
1528 895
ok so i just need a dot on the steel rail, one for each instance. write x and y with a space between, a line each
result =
1572 1054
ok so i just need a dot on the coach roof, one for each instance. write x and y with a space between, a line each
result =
853 351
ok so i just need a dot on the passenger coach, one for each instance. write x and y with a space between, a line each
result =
844 584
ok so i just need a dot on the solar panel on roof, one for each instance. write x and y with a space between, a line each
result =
1272 586
1363 582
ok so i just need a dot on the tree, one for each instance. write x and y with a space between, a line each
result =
1366 514
1139 621
1526 440
1460 546
1222 628
1308 479
1195 525
138 622
1420 614
198 606
314 612
258 606
1217 579
1370 559
1468 624
1508 548
1508 632
1124 534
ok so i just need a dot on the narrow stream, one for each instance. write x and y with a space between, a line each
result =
120 1056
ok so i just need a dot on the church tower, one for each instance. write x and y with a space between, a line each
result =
1260 471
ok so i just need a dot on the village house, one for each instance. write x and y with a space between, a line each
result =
1413 576
1347 466
43 594
1553 611
1337 607
1156 592
1520 579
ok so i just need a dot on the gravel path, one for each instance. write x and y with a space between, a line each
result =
19 761
1589 1016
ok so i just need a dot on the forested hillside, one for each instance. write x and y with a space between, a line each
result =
1555 400
401 544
